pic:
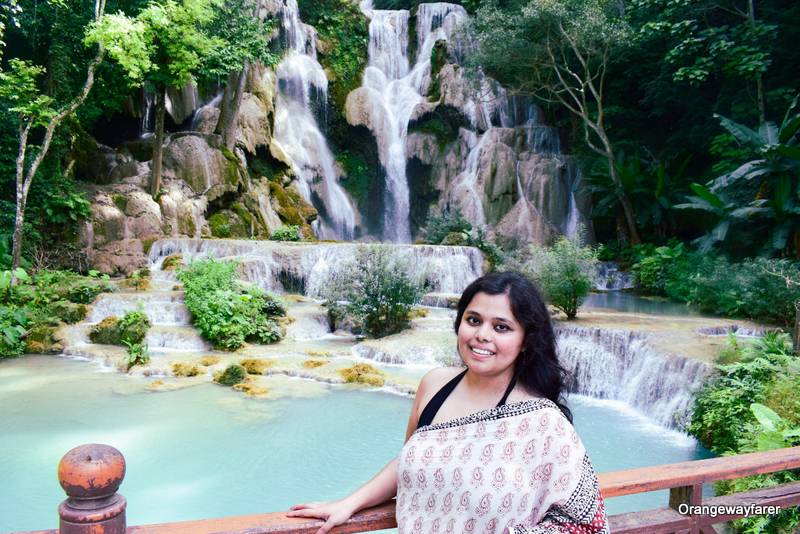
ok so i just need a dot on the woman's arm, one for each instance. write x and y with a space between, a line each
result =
381 487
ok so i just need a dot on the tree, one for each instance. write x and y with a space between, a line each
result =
243 39
559 51
565 272
19 88
763 193
167 46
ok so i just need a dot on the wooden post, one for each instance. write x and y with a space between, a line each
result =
90 476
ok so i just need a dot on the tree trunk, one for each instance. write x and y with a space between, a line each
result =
158 146
16 255
229 108
796 333
762 108
627 207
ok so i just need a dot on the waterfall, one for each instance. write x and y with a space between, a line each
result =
299 108
394 89
610 278
622 365
306 267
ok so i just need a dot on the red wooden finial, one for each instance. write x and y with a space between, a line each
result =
91 475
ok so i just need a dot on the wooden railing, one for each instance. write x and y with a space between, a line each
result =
91 475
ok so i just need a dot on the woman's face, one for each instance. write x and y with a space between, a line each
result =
489 336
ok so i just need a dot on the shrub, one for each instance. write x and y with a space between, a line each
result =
226 312
138 354
565 273
13 322
722 407
438 227
286 233
375 290
363 373
768 431
133 327
232 375
138 280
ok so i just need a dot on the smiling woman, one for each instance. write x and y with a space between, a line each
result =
471 463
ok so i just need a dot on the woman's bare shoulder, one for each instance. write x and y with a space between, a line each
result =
435 379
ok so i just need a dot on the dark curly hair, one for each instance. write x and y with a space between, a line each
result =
537 366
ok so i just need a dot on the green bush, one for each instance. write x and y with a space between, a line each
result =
138 354
375 291
226 312
438 227
565 273
286 233
133 327
722 407
232 375
750 288
13 323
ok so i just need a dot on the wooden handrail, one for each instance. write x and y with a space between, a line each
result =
80 467
668 476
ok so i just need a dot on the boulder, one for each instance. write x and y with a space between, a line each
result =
199 161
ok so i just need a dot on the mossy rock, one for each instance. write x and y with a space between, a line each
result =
66 311
319 353
137 280
185 369
232 375
41 340
106 332
208 361
250 387
256 366
227 224
292 209
363 373
133 327
313 364
120 201
147 242
417 313
172 262
186 225
454 239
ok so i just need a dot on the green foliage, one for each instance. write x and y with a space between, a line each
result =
437 227
750 288
722 406
138 354
226 312
130 330
762 196
42 300
232 375
731 417
344 30
286 233
242 38
564 272
375 290
357 176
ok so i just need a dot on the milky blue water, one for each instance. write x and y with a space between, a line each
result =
207 451
631 302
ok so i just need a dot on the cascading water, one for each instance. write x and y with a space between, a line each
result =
299 106
622 365
306 268
394 89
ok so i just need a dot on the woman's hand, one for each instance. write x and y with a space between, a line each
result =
334 513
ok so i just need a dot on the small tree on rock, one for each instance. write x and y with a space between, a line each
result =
565 273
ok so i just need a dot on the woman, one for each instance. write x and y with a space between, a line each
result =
473 464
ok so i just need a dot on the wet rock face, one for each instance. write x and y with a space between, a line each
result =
199 161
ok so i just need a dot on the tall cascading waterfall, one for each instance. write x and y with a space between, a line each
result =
394 88
623 366
302 90
306 267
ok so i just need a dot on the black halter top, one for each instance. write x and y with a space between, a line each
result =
430 410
